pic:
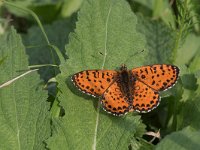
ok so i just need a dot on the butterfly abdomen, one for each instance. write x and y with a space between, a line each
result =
126 88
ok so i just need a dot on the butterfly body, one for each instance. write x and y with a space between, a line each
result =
127 90
125 79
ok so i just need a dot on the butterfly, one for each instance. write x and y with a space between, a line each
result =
126 90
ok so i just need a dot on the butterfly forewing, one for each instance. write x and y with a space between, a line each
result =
93 82
114 101
144 98
158 77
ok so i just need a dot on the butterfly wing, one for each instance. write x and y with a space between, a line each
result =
114 101
145 98
158 77
93 82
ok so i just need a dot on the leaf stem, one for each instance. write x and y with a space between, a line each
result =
16 78
41 27
181 25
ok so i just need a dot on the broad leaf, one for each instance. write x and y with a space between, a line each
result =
186 139
105 38
24 116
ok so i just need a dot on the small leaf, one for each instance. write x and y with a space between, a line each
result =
160 40
69 7
188 49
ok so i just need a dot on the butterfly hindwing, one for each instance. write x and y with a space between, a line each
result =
93 82
158 77
114 101
144 98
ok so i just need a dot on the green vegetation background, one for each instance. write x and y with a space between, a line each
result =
42 43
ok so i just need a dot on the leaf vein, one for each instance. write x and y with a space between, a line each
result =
106 37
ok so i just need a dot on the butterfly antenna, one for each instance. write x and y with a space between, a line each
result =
136 53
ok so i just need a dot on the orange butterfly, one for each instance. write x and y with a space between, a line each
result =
126 90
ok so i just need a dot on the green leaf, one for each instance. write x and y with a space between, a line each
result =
101 39
38 50
89 132
47 10
190 79
185 139
105 37
69 7
191 105
160 40
195 63
188 49
191 108
193 6
24 116
2 60
160 9
141 144
146 3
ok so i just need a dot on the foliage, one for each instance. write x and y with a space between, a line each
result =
60 38
24 116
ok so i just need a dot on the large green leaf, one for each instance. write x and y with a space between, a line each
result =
105 38
24 116
186 139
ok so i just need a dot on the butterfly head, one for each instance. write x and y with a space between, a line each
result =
123 67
